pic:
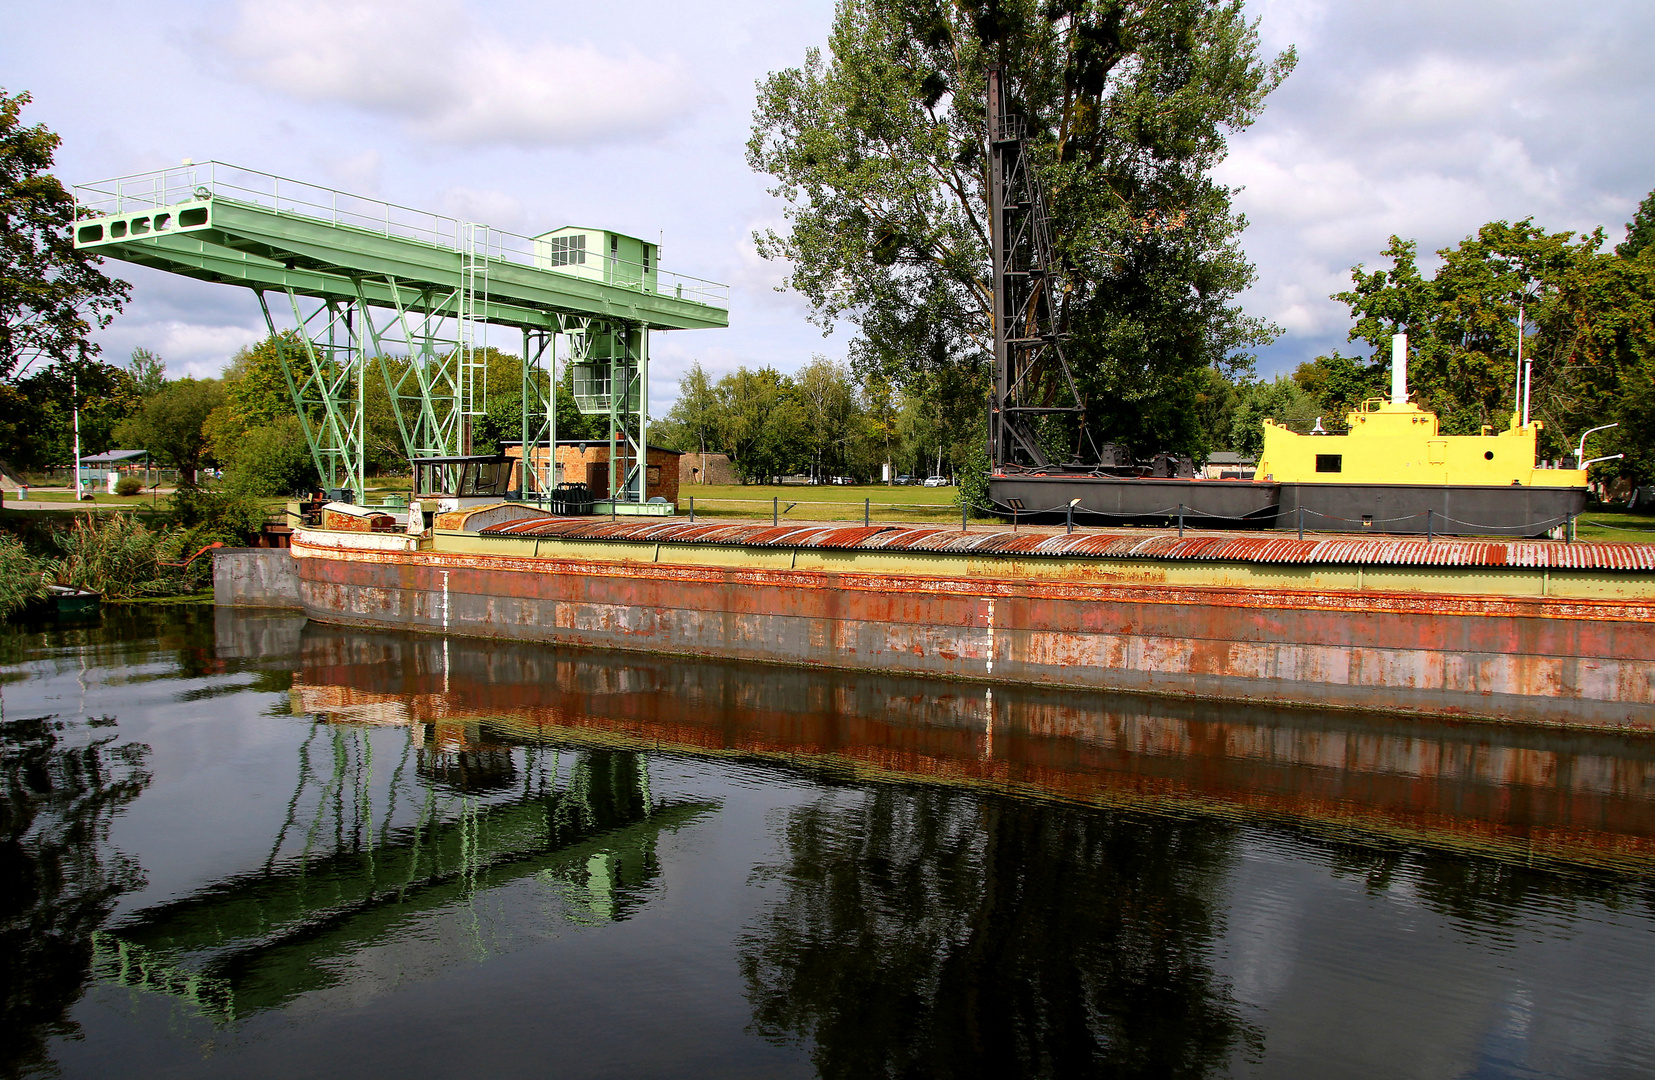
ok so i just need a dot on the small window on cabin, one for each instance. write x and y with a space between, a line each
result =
1330 463
646 258
654 474
568 250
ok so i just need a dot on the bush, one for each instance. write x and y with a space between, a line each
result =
971 477
23 577
230 517
129 486
273 459
116 555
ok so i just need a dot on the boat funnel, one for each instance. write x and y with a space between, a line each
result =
1399 369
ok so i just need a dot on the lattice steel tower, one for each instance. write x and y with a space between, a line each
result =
1031 375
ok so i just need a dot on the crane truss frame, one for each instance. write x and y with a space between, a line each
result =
372 282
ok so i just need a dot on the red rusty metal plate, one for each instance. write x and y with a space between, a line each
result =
1138 544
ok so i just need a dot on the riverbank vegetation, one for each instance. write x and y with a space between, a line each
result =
116 555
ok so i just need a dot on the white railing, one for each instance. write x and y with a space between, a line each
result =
212 179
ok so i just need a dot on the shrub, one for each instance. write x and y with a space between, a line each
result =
23 577
230 517
273 459
118 556
129 486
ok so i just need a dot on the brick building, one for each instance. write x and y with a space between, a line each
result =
588 463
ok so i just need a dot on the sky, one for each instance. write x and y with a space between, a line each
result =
1417 118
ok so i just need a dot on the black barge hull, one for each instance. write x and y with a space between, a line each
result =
1514 510
1399 509
1214 504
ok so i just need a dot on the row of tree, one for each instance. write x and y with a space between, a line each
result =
1586 314
823 421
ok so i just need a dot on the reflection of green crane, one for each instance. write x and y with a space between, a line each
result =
369 282
258 940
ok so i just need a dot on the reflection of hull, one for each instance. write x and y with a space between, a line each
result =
1505 791
1138 500
1409 509
1458 510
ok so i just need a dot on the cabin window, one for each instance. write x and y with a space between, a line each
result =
568 250
653 476
1330 463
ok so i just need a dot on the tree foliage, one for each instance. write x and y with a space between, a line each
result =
51 295
877 151
172 424
37 412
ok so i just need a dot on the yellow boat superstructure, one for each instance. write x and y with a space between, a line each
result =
1391 443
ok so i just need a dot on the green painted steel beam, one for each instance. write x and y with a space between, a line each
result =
285 250
197 255
412 291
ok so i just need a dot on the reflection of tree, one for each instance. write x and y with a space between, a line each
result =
1479 891
934 932
58 877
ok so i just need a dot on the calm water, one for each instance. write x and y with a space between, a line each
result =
247 846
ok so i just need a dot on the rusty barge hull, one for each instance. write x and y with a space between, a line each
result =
1536 659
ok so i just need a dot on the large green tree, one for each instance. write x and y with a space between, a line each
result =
37 412
763 423
877 151
172 425
695 421
51 295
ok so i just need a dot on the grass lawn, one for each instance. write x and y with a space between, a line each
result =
101 498
1626 528
822 502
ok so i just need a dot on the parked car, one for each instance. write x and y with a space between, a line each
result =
936 481
904 480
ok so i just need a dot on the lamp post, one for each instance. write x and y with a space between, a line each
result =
74 402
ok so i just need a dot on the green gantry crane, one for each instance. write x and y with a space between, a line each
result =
368 281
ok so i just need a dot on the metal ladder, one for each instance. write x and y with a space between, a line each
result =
473 318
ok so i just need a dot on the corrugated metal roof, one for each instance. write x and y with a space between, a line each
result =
1133 544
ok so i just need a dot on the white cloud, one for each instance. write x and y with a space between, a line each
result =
452 81
200 350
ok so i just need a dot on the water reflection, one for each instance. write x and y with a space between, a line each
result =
1518 794
61 782
929 932
869 875
434 890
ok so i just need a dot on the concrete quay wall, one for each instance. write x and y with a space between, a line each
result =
255 577
1528 659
